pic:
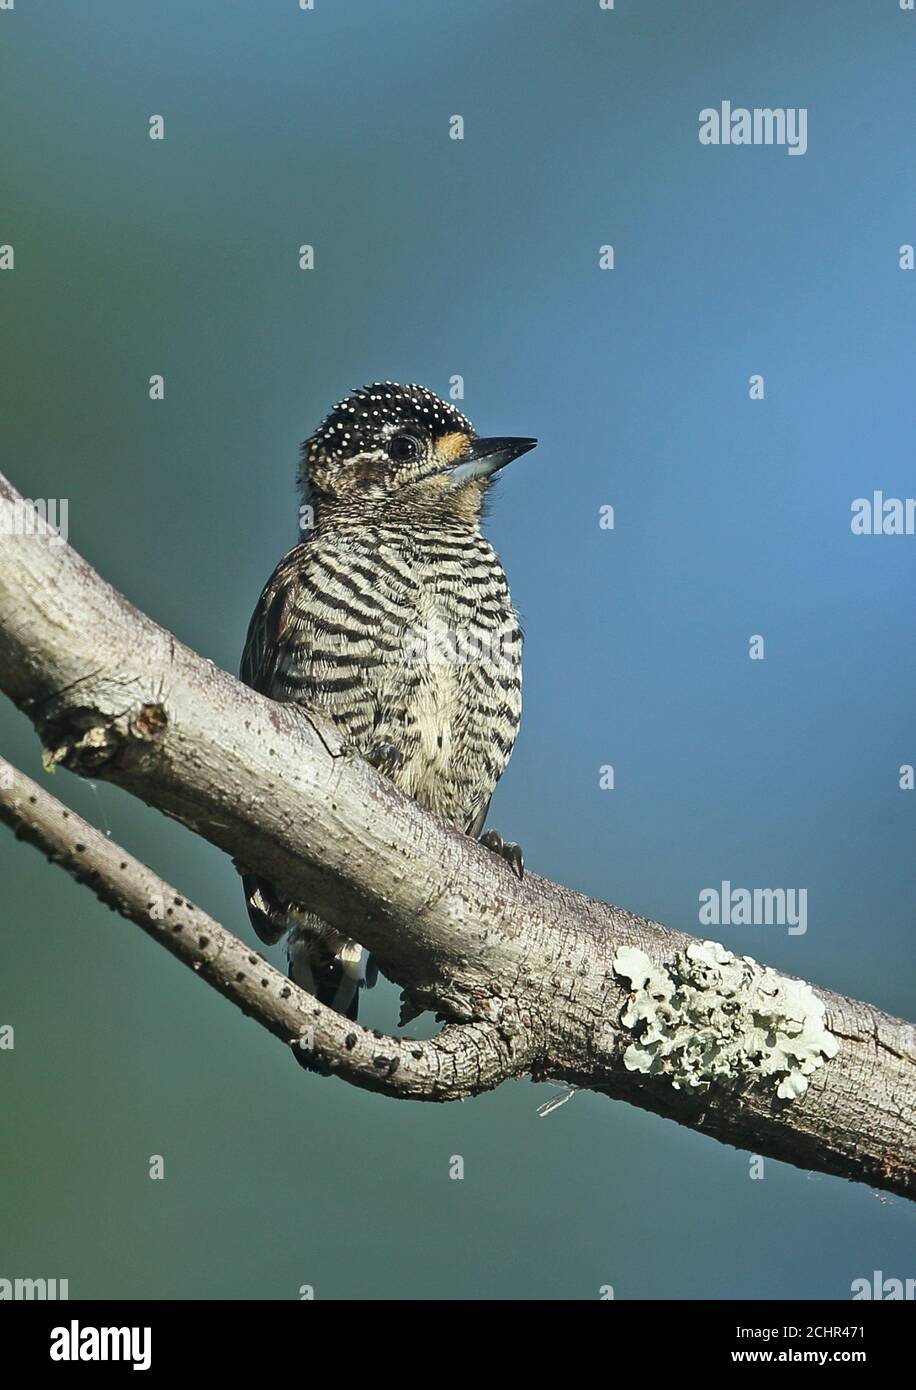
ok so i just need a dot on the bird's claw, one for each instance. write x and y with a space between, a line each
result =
506 849
385 758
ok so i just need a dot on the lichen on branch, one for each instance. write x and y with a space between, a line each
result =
714 1017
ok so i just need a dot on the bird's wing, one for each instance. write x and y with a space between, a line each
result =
477 824
267 913
272 624
311 640
318 637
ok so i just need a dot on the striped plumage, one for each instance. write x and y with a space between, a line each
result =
394 620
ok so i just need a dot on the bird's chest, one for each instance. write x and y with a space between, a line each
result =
458 611
434 687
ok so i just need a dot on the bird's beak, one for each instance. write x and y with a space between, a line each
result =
487 456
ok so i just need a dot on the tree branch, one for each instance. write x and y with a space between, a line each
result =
557 975
464 1060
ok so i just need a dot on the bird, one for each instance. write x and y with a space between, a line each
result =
393 619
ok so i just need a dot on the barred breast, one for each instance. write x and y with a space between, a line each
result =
408 642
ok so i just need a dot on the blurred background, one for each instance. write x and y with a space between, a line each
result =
437 257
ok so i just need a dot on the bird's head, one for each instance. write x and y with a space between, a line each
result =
388 443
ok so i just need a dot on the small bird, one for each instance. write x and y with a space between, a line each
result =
393 619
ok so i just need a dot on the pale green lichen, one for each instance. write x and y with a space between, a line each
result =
716 1017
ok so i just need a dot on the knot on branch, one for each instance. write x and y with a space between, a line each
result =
84 741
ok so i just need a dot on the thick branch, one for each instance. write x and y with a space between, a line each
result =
114 696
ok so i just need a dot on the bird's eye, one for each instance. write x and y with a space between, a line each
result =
403 447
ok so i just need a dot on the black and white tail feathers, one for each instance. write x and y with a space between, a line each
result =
321 960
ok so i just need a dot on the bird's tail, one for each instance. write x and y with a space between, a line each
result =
329 965
322 960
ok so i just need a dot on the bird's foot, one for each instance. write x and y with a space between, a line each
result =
385 758
492 840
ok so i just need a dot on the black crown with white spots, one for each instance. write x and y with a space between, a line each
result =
365 420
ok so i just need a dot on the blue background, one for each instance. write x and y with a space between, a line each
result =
477 257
